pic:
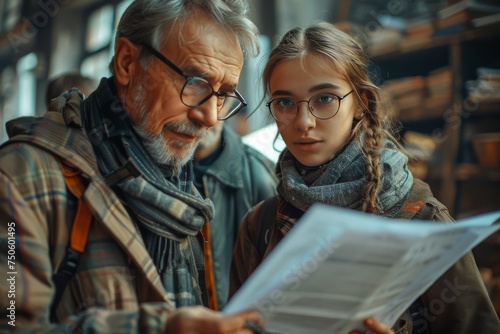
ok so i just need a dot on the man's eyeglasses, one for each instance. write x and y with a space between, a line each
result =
196 91
322 106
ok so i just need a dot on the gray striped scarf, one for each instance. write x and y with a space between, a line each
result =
340 183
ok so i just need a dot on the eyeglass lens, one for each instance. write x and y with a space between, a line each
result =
322 106
197 90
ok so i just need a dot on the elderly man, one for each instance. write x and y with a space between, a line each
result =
176 65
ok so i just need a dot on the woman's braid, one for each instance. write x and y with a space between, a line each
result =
371 147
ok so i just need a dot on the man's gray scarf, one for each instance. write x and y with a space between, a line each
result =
170 212
341 182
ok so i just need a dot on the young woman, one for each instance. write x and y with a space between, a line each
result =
339 151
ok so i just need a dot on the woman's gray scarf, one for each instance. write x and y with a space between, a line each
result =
340 183
168 209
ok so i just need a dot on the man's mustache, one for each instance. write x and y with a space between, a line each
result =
187 128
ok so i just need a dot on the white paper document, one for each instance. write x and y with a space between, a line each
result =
336 267
263 140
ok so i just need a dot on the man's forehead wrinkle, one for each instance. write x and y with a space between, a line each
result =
208 70
186 39
200 53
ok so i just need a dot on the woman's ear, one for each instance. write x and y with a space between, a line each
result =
125 64
362 106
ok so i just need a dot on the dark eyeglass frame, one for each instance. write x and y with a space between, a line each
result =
311 110
188 78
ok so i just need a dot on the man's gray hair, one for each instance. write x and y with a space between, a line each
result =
144 21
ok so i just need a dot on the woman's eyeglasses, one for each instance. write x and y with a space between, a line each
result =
322 106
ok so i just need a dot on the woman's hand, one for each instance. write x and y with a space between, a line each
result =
198 320
375 327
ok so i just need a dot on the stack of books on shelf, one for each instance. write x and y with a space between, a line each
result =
384 40
465 14
419 31
378 38
420 97
439 86
406 95
487 86
486 20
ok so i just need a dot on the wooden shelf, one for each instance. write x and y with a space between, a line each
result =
408 46
474 172
421 113
463 52
481 108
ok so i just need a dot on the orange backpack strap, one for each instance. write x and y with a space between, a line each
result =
78 238
83 217
209 268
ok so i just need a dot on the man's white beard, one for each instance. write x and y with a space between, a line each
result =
210 137
157 146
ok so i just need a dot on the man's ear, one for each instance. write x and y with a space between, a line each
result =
125 64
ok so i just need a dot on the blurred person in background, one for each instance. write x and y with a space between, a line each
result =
235 177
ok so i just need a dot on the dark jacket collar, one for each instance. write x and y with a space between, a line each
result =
228 166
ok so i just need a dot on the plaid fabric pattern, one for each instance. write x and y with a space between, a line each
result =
117 288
